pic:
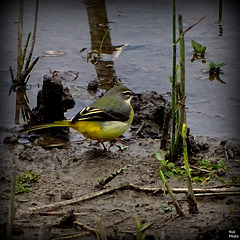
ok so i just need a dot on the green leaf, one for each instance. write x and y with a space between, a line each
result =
220 64
171 165
204 49
198 48
122 148
221 164
165 207
145 226
160 155
169 174
24 180
222 180
212 65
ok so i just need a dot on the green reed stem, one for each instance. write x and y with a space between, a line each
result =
182 74
174 80
191 197
170 192
180 112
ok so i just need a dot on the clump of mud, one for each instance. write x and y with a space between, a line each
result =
52 101
152 115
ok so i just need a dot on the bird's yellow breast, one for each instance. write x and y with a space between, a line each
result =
101 131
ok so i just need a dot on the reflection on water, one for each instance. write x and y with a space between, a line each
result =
101 43
220 27
22 105
104 28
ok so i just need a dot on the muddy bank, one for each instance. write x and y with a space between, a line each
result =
73 173
80 191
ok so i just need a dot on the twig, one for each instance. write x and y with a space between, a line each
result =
117 222
193 25
201 169
216 194
52 214
57 205
170 220
189 28
138 132
82 225
73 236
128 186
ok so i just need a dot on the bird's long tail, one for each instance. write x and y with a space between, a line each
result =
63 123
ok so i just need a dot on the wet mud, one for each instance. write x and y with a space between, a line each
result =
84 193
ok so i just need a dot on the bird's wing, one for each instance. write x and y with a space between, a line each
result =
95 114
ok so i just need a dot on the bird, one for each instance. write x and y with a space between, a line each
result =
104 120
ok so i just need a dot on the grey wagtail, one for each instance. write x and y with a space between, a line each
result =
104 120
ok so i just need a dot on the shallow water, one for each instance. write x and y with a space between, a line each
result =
143 30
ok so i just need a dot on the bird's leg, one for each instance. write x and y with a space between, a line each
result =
114 141
104 147
119 140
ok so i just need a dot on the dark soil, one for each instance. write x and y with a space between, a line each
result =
116 188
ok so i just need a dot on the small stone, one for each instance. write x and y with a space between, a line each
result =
230 153
67 195
67 221
223 142
92 85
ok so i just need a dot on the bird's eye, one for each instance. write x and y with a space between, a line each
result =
127 94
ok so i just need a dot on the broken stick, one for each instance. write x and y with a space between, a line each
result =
129 186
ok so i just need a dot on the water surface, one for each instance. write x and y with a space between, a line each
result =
142 30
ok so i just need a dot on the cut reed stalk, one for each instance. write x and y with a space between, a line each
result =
182 118
192 202
170 192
